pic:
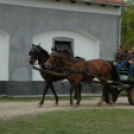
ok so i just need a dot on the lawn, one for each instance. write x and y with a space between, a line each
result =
26 99
89 121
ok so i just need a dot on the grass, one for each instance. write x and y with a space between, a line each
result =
96 121
26 99
17 99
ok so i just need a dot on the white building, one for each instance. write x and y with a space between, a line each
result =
90 27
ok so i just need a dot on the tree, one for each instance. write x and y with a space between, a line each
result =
127 27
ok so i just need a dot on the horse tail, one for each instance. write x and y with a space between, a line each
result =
114 73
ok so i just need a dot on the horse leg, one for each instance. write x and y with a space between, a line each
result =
44 93
107 87
54 92
101 101
78 90
102 98
71 91
75 93
110 99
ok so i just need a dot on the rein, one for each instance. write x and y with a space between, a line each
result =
86 72
36 64
67 64
89 74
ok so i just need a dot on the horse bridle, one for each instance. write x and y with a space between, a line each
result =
56 55
33 55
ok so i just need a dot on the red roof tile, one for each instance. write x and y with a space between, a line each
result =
104 2
112 1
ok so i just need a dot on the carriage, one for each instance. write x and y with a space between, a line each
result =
124 87
114 86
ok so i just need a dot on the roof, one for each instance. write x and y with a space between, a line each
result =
104 2
113 1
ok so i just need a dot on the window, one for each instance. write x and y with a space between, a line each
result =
61 43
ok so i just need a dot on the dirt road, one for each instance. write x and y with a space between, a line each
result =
9 110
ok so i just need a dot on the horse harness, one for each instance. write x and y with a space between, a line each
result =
80 72
87 73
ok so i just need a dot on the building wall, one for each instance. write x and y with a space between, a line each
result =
23 23
4 54
83 45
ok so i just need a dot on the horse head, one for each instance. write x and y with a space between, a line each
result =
53 60
54 49
60 57
33 53
38 53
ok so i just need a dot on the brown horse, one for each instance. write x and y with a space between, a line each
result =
81 70
37 53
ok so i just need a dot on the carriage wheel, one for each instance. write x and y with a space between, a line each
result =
113 91
131 96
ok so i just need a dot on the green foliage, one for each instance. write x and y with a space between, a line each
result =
89 121
127 27
27 99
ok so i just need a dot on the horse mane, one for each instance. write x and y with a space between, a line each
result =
66 52
77 57
45 52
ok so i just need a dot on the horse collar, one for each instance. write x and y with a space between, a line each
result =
86 66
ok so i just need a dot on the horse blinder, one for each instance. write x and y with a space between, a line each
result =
29 53
34 52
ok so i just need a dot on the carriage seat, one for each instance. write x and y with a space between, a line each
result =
124 71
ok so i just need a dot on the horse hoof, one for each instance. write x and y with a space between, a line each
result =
71 104
40 105
77 105
99 104
111 103
56 103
